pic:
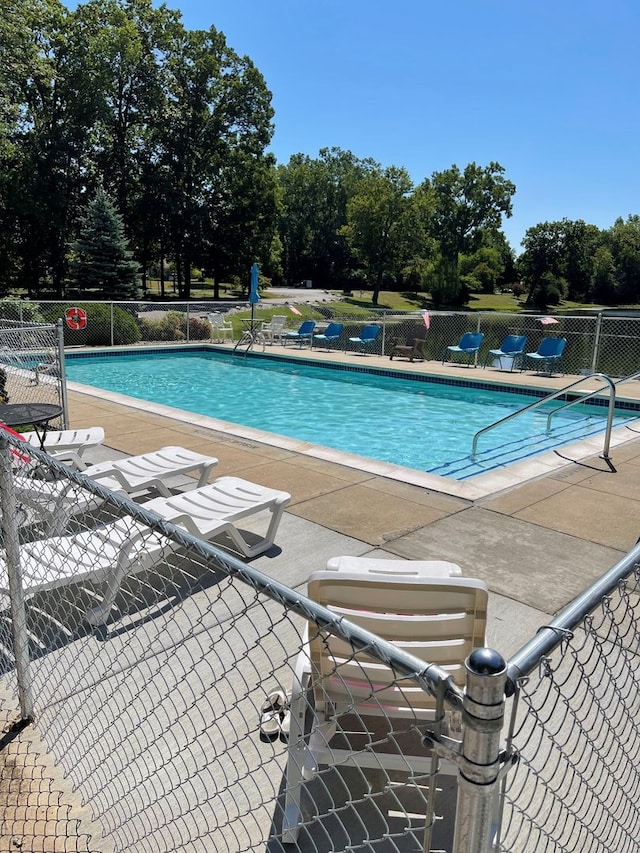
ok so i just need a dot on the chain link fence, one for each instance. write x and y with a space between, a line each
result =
159 668
595 343
32 365
177 687
575 726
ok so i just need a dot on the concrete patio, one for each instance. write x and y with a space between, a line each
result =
537 535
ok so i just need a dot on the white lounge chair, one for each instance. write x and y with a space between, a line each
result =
69 444
151 470
111 552
439 620
221 504
55 502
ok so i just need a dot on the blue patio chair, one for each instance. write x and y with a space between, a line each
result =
548 353
330 335
468 345
511 349
368 336
302 333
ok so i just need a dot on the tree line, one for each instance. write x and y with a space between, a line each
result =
115 119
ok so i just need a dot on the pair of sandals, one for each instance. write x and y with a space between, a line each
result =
275 716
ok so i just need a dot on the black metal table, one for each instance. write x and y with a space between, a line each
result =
37 415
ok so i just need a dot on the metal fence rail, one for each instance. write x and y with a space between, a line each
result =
597 342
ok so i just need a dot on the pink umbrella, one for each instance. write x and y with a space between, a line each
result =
546 321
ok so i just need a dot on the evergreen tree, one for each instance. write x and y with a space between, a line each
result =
101 257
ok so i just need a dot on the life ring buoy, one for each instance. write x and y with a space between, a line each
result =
76 318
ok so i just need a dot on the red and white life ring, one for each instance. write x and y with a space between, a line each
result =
76 318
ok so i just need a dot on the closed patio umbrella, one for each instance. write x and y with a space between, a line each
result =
254 296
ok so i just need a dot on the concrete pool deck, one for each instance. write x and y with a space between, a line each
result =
537 538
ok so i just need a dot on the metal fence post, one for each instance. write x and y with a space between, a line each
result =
62 385
16 593
188 322
479 775
596 342
111 316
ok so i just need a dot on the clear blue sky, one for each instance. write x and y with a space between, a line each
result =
548 88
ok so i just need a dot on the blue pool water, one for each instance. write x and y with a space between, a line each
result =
428 426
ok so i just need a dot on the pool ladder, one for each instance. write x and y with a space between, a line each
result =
606 380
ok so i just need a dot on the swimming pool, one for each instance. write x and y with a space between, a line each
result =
418 423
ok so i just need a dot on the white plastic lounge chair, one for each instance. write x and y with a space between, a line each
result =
221 504
55 502
70 444
439 620
151 470
111 552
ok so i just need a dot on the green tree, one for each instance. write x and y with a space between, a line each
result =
381 224
548 290
624 240
463 206
315 193
479 272
218 119
242 219
542 255
602 287
102 260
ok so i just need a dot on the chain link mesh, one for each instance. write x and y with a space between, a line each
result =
30 364
595 342
576 731
158 714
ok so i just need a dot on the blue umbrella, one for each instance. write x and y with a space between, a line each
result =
254 296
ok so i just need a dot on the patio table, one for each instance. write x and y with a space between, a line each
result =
37 415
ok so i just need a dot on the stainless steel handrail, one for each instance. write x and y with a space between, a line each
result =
546 399
581 399
569 403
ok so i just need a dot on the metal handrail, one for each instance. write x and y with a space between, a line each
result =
570 403
553 396
581 399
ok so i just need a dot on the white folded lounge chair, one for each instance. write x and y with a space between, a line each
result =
55 502
111 552
71 444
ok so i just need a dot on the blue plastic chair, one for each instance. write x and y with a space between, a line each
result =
368 336
331 333
549 353
468 346
511 348
303 333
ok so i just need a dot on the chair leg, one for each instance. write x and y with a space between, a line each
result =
296 758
